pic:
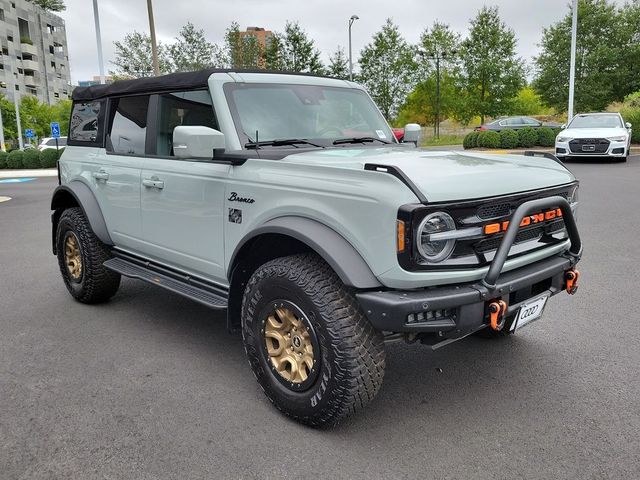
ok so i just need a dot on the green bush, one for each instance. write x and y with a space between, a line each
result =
546 137
14 159
60 151
3 159
489 139
509 139
48 158
632 116
31 158
528 137
467 141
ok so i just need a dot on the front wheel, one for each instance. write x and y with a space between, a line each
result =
311 348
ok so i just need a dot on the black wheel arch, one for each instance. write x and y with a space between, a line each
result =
290 235
78 194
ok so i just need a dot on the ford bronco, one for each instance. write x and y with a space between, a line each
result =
287 201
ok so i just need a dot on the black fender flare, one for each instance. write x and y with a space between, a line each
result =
345 260
86 200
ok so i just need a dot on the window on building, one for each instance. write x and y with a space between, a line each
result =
181 108
17 87
53 64
1 66
85 122
128 129
3 84
23 27
13 4
51 49
32 91
20 70
5 51
1 15
56 94
9 38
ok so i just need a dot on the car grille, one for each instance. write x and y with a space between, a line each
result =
589 146
487 212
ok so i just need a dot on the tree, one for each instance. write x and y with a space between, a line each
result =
387 68
529 102
51 5
243 50
607 56
273 53
338 65
297 52
133 56
493 72
191 51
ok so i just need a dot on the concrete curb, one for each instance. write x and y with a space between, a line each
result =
42 172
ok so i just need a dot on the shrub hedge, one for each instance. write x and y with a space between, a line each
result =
632 116
48 158
528 137
3 159
14 159
546 137
509 139
31 158
489 139
470 140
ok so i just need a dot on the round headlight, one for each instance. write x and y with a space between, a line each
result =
429 246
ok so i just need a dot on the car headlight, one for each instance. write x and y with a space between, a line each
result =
432 249
562 139
619 138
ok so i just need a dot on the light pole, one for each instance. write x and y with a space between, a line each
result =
96 19
572 66
154 45
438 56
351 20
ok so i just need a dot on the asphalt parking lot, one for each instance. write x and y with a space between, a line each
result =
150 385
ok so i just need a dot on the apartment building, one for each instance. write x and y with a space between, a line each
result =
34 58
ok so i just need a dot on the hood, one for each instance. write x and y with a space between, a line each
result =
449 176
593 132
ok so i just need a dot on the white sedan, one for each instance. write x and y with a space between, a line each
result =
48 143
595 135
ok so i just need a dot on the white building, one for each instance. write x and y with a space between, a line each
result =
34 58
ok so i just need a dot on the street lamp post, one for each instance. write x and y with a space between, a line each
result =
154 45
351 20
572 66
438 56
96 19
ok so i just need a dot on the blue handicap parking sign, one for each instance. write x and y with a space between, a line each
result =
55 129
29 133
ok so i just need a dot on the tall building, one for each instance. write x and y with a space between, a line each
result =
262 39
34 58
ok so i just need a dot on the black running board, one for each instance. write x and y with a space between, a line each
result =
196 289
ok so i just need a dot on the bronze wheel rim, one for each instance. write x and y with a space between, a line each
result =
291 346
72 257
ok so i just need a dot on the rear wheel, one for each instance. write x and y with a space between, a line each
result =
311 348
80 258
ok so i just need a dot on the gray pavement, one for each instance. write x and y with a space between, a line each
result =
150 385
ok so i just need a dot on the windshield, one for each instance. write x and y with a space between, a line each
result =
308 112
596 121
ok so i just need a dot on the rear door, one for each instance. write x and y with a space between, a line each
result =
182 200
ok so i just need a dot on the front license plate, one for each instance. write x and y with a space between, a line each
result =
529 312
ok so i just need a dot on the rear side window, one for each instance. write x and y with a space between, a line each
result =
181 108
86 123
128 125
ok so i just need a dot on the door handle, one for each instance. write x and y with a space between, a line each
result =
153 182
101 175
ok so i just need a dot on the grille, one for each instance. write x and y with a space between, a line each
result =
431 315
591 146
523 236
486 212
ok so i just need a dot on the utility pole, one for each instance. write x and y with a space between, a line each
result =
96 18
16 102
154 45
572 66
2 147
438 56
351 20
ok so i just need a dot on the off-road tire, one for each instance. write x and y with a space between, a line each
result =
351 358
97 283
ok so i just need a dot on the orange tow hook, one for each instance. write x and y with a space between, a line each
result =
497 314
571 278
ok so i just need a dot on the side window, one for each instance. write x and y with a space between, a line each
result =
128 125
85 122
181 108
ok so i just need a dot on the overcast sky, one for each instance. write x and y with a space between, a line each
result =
325 21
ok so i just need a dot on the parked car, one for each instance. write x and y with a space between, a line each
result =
514 123
398 133
242 192
50 142
595 134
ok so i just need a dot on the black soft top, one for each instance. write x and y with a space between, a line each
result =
163 83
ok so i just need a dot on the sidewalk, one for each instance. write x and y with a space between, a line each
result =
41 172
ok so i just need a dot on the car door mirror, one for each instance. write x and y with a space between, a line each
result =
628 125
194 141
412 133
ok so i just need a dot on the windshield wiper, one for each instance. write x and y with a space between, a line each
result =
282 142
359 140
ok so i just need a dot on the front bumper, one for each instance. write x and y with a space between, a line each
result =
452 312
615 149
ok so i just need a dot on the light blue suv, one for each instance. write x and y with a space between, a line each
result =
286 200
